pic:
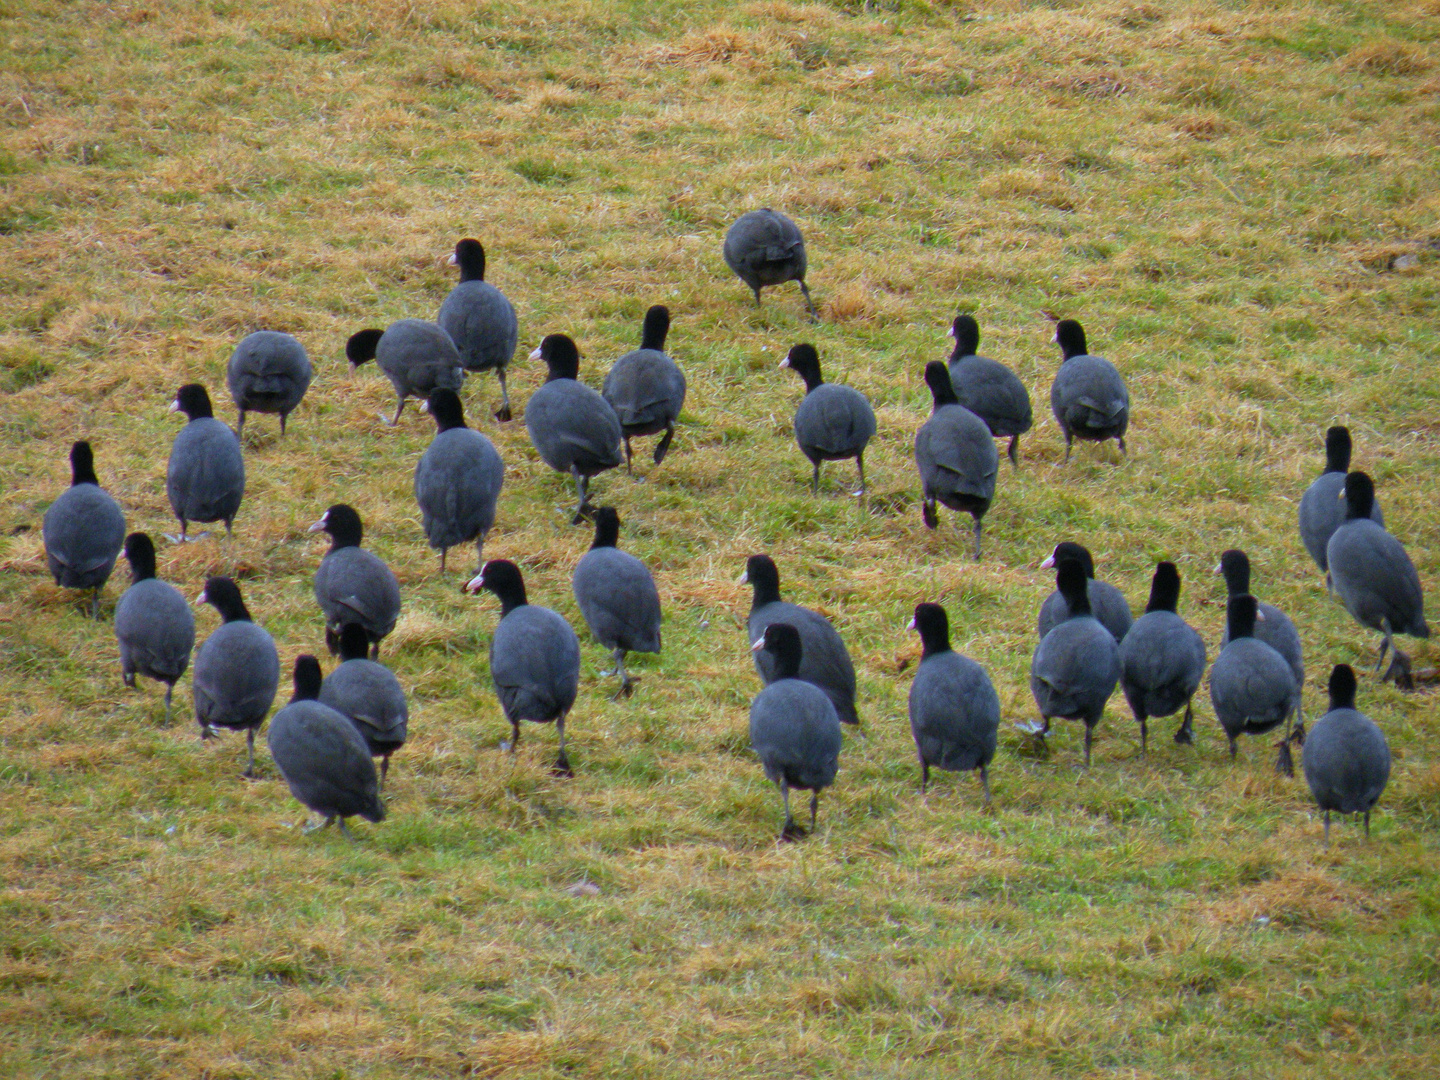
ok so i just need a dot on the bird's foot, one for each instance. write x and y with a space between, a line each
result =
626 688
1031 727
386 420
1185 735
250 774
927 515
1399 671
793 832
561 768
185 539
503 414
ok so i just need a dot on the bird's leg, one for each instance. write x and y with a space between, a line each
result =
1185 735
562 763
399 408
924 775
788 831
503 413
1067 447
985 783
757 296
514 738
1121 440
582 491
1014 442
384 767
169 690
1367 824
1087 745
814 806
663 446
240 427
443 550
1232 747
95 606
375 650
628 469
345 830
1327 828
480 550
860 465
627 684
1385 643
1144 734
282 424
249 772
311 826
808 302
979 525
815 479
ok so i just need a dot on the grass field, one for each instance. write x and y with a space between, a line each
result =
1238 200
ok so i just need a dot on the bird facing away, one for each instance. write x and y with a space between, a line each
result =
353 585
1162 658
646 388
955 455
833 422
237 670
1107 603
153 624
457 480
268 373
321 756
1088 397
793 727
1251 686
954 710
83 530
205 479
1273 627
824 659
1076 665
367 693
1372 573
534 657
1322 507
480 320
988 388
573 428
617 597
765 248
416 356
1346 758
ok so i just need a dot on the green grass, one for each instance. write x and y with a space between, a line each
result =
1218 191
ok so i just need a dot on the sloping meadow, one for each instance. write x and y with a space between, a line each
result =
1238 201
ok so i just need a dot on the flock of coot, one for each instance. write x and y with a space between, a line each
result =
324 741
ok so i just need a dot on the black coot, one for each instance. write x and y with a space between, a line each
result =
480 320
153 624
1076 665
416 356
534 657
1372 573
1322 507
205 479
268 373
833 422
1251 685
83 530
1272 626
457 480
646 388
368 694
1162 658
824 660
1346 758
572 427
617 597
1107 603
765 248
237 670
955 455
321 756
1088 396
353 585
987 387
793 727
954 710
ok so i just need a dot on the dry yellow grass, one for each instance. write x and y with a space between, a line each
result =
1238 201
